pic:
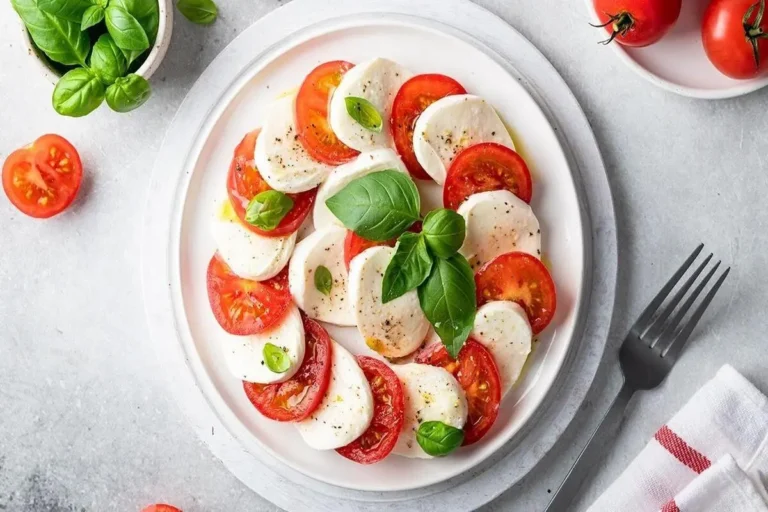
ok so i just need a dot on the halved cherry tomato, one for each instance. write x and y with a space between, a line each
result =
42 179
314 131
476 371
161 507
733 34
483 168
521 278
411 100
354 244
637 22
244 183
388 414
242 306
299 396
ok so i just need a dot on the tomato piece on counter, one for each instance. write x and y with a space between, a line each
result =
298 397
521 278
483 168
161 507
244 183
354 244
315 133
243 306
733 37
380 438
477 373
42 179
411 100
637 22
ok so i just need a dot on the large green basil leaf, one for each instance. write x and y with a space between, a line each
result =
78 93
408 268
438 439
444 231
70 10
61 40
125 29
202 12
128 93
92 16
145 11
107 60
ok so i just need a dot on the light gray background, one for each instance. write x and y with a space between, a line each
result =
85 421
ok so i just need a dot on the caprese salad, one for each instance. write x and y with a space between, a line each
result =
447 300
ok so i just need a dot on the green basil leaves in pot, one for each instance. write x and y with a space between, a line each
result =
125 29
128 93
438 439
202 12
70 10
60 40
107 60
79 92
92 16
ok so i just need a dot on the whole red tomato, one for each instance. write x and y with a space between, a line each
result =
734 37
637 22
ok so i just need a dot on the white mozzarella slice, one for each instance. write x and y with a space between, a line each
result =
377 81
498 222
503 327
245 354
431 394
451 124
343 175
323 247
346 410
394 329
281 159
248 254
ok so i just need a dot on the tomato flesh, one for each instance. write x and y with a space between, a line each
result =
161 507
354 244
297 398
380 438
637 22
727 40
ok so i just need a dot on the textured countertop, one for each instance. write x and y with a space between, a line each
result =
87 424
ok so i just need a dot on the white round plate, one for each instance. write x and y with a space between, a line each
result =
678 62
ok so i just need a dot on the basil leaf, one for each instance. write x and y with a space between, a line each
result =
70 10
323 280
202 12
78 93
363 111
447 298
378 206
61 40
107 60
128 93
408 268
267 209
145 11
276 358
92 16
444 231
125 29
438 439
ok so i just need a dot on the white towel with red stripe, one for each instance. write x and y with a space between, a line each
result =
711 457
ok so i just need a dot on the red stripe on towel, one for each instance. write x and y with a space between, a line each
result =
671 506
675 445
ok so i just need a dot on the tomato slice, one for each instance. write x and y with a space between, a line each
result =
354 244
411 100
298 397
388 414
483 168
161 507
244 183
242 306
42 179
521 278
476 371
314 131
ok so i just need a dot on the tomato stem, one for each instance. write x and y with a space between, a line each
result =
753 30
621 24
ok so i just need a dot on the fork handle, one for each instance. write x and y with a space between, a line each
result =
593 452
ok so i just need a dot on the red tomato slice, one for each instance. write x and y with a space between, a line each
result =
314 131
42 179
242 306
476 371
354 244
411 100
521 278
483 168
388 414
244 183
298 397
161 507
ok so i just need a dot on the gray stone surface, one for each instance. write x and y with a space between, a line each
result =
86 423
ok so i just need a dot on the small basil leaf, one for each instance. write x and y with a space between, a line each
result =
202 12
323 280
444 231
267 209
128 93
70 10
276 358
78 93
131 55
146 12
379 206
438 439
125 29
92 16
363 111
448 300
408 268
107 60
61 40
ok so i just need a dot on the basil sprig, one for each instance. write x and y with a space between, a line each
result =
276 358
444 231
79 92
323 280
438 439
267 209
409 267
363 111
107 60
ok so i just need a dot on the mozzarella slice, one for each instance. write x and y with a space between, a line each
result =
394 329
281 159
431 394
451 124
340 177
245 354
377 81
502 326
347 409
498 222
248 254
323 247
